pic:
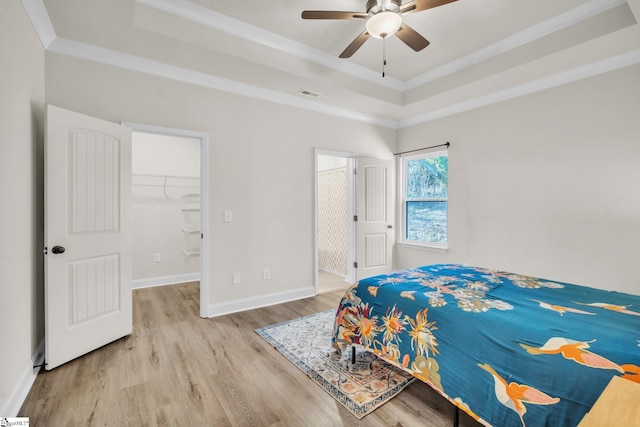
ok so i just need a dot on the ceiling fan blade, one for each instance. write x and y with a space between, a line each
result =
418 5
329 14
412 38
355 45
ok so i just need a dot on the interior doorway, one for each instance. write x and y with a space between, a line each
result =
169 192
334 212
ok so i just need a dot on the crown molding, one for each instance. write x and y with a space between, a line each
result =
160 69
549 26
568 76
43 27
218 21
40 20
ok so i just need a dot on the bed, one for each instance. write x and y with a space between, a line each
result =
509 350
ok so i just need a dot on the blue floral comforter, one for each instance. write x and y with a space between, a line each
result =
509 350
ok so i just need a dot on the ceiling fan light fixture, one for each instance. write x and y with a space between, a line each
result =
384 24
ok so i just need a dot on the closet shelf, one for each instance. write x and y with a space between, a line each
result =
165 180
190 230
169 187
191 216
191 237
191 252
191 197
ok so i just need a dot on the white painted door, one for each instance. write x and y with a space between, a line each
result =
87 234
374 208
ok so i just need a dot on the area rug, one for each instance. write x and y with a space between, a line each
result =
361 388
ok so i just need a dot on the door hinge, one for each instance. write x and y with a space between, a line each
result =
355 171
202 235
45 250
355 264
355 218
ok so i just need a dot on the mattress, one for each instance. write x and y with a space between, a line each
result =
507 349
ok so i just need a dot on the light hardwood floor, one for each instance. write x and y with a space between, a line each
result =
177 369
328 282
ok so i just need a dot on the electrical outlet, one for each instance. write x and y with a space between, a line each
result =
266 274
156 257
236 278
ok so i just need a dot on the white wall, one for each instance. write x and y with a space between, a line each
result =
165 154
261 160
157 214
331 162
21 196
546 184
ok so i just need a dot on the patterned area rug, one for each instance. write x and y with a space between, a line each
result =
361 388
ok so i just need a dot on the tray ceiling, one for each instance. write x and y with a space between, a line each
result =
481 51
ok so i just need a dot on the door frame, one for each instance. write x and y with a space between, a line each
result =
351 229
204 199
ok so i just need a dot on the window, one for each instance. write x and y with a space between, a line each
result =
425 204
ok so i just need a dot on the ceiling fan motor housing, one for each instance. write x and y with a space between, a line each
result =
373 7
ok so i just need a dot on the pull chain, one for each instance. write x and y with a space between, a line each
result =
384 55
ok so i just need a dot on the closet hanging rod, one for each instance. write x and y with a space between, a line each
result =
446 144
147 175
169 186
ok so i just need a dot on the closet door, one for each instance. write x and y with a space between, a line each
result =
87 234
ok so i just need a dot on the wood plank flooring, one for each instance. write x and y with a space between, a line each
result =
179 369
328 282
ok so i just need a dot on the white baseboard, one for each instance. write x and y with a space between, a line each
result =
21 389
165 280
259 301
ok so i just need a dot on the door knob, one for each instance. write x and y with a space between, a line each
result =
389 226
57 249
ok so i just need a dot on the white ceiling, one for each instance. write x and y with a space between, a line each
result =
481 51
455 30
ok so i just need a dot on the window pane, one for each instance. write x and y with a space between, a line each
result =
427 178
427 222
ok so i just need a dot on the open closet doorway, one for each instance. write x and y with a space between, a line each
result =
169 199
335 230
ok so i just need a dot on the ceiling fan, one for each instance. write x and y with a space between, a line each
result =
384 19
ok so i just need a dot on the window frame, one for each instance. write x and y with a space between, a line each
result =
404 201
